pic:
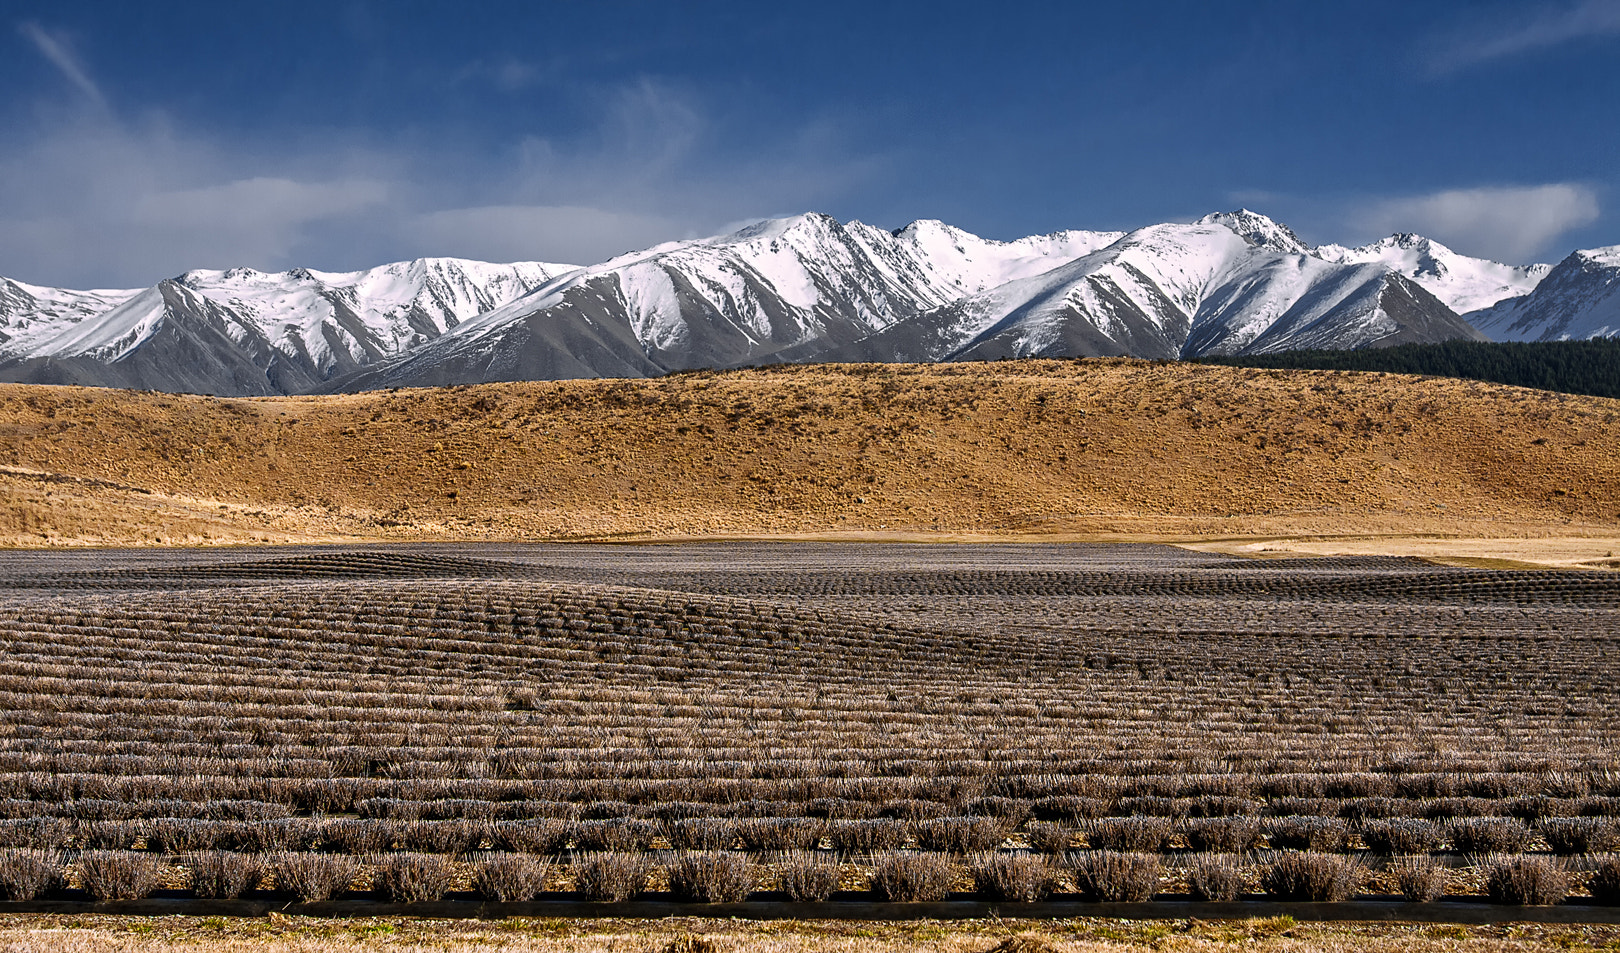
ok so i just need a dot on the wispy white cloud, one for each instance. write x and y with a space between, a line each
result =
98 202
257 219
1509 223
98 199
510 74
1524 30
57 50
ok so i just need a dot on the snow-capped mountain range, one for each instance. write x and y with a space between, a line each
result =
800 289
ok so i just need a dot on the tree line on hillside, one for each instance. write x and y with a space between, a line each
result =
1574 367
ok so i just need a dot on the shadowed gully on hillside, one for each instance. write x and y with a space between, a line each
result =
1104 447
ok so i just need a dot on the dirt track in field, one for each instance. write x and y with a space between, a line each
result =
1238 460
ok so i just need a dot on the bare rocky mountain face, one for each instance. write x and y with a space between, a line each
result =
794 290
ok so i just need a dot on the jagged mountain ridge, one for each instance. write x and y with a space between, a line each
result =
783 290
166 338
806 288
32 311
1171 291
1464 284
1577 300
244 332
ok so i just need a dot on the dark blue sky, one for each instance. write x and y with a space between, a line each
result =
143 139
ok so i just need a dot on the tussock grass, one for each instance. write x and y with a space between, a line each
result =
1488 835
1419 879
313 877
1406 835
1020 878
1130 834
509 878
1216 877
1603 880
26 873
611 875
413 878
386 464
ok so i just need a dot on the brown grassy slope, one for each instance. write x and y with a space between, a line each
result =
1043 447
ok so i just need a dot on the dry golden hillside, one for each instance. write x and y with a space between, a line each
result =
1049 448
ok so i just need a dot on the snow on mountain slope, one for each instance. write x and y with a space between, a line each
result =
109 335
1177 291
30 313
966 264
1267 292
315 325
1579 299
1465 284
340 321
166 338
782 289
1137 296
785 281
805 288
1383 309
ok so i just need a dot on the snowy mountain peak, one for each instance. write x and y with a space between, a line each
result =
1465 284
808 223
1608 256
926 229
1259 231
1175 290
114 333
1427 258
1578 299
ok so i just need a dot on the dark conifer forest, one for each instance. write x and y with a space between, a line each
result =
1574 367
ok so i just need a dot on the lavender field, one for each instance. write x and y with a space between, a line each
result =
721 721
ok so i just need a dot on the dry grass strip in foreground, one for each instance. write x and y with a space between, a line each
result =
83 934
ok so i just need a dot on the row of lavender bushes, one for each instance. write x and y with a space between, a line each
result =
730 876
1141 833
